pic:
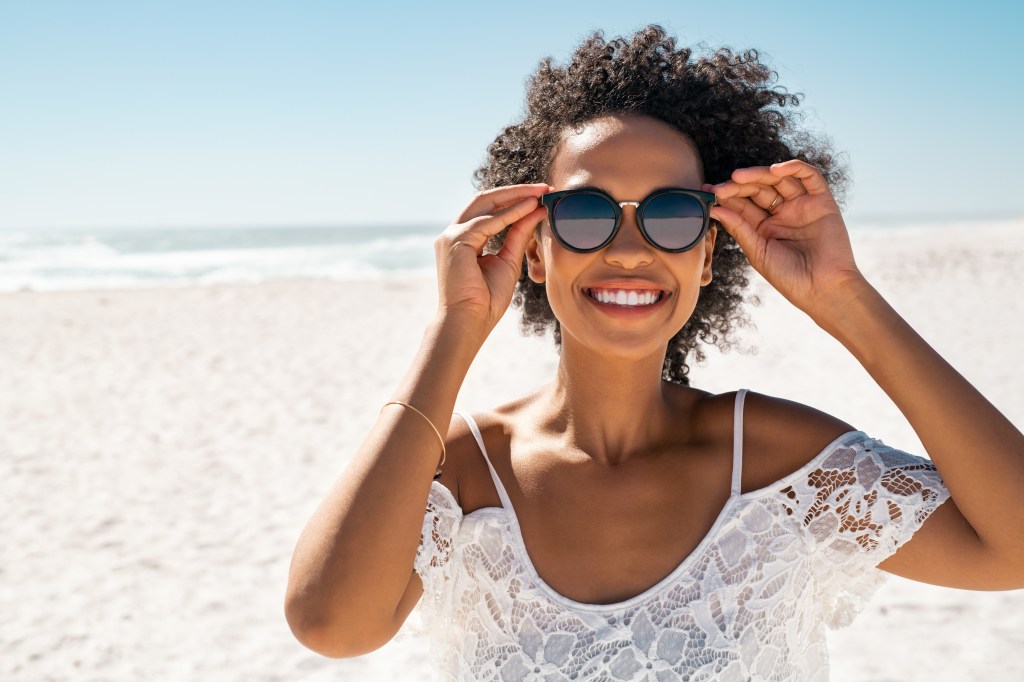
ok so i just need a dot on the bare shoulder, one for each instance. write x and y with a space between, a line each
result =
465 469
456 443
779 436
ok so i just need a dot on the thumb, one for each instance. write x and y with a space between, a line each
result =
519 232
739 229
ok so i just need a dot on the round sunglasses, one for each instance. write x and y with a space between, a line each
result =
587 219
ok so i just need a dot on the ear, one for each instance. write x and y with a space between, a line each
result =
709 250
534 259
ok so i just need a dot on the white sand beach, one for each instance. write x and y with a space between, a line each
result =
161 450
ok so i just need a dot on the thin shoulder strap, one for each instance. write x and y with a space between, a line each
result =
505 502
737 442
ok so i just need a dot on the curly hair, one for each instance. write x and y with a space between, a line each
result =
723 101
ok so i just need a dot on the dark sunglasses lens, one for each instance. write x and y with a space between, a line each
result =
584 221
674 221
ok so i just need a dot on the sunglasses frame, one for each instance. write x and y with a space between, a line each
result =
705 199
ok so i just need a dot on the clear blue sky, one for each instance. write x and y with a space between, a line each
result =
226 113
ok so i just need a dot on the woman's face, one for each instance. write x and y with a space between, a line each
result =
628 157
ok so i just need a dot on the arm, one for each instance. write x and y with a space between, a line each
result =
350 579
974 541
977 451
350 570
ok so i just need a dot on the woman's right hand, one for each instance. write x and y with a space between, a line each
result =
476 287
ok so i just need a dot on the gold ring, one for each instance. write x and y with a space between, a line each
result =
778 198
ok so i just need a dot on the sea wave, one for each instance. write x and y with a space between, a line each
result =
41 260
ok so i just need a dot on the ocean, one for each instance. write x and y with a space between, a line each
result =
72 259
80 258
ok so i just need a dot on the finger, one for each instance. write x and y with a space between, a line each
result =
755 202
747 209
729 189
487 201
514 247
790 188
478 230
762 195
769 229
761 174
810 176
786 185
741 230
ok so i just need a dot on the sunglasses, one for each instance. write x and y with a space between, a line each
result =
587 219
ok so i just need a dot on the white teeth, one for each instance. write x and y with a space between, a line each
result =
630 298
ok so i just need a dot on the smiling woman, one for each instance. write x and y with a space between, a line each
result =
629 157
724 109
617 522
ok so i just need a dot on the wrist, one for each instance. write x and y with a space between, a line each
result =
842 303
463 328
456 338
858 318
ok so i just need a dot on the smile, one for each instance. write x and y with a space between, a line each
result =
625 296
626 304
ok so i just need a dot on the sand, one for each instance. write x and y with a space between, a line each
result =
161 451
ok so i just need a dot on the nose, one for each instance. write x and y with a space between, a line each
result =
629 249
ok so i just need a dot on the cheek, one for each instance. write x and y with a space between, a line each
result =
690 289
686 302
560 276
554 279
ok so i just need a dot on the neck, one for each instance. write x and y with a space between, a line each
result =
610 408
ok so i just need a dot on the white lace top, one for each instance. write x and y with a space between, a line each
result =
749 603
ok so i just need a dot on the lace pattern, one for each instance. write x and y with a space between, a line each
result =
863 502
781 564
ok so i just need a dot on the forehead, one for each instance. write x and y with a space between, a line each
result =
624 153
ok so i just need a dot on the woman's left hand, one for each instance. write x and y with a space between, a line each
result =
801 246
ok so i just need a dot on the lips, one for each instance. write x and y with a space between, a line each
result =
626 297
628 312
625 285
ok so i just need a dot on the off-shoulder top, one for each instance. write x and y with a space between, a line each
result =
750 602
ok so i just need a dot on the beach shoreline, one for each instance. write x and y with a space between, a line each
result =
163 449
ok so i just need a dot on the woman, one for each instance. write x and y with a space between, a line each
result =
618 523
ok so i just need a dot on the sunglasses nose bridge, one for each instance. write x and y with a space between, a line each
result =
634 229
636 210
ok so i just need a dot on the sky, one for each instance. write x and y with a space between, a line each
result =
162 114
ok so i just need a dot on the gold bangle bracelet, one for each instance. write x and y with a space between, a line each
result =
399 402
